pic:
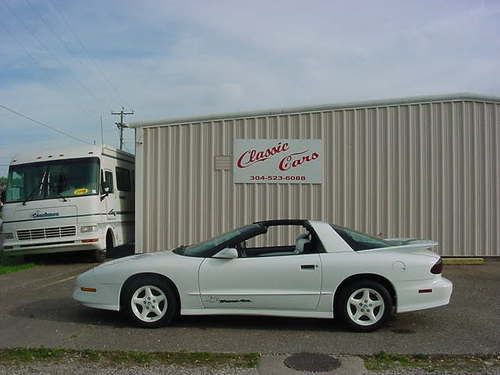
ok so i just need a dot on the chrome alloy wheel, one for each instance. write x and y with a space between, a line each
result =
365 306
149 303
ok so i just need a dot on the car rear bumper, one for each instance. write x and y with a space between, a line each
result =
426 294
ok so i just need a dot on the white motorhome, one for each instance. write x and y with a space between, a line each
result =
75 199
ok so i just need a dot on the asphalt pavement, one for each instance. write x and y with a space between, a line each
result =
37 310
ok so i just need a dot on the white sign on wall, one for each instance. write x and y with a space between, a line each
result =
298 161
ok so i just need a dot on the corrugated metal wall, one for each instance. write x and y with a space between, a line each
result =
427 170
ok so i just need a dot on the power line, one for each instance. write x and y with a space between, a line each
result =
44 124
56 35
26 50
62 16
50 52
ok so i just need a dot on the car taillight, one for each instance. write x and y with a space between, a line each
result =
438 267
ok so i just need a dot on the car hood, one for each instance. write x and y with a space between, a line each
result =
138 258
165 263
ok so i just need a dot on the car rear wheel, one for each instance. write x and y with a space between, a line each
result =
364 305
150 302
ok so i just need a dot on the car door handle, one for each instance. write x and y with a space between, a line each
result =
308 266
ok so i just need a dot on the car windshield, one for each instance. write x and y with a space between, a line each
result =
206 248
360 241
54 179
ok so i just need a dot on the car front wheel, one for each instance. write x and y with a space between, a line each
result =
150 302
364 305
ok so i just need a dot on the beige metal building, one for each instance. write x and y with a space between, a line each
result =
421 167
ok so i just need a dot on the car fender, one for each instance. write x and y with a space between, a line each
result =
182 271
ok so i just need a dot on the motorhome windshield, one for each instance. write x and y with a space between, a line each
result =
53 179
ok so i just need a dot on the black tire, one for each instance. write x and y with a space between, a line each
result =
371 315
109 242
152 318
99 256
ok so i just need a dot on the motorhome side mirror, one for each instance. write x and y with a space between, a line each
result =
227 253
105 187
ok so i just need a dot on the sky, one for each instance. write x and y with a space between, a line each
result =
67 63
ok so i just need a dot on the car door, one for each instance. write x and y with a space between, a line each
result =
287 282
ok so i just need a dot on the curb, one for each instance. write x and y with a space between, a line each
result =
463 261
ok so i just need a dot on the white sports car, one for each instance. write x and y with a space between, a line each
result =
329 271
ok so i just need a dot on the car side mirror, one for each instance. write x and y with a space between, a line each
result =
227 253
2 196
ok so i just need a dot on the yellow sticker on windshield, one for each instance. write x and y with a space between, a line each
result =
81 191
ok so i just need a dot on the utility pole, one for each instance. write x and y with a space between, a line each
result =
121 125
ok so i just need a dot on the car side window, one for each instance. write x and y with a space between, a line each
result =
280 240
359 241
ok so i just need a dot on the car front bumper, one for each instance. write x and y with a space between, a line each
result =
89 292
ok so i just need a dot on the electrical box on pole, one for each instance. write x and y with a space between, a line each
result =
121 125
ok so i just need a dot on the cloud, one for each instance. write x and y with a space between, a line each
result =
172 58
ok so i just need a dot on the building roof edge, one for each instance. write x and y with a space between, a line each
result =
466 96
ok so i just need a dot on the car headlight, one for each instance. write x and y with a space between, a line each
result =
8 236
88 228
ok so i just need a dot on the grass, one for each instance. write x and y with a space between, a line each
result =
12 264
431 363
14 268
184 359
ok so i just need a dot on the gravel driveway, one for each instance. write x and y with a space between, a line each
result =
84 369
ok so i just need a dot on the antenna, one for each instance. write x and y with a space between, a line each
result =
102 133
